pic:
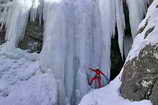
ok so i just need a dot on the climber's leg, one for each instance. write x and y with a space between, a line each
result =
91 81
99 82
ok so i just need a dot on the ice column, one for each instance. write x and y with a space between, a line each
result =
53 51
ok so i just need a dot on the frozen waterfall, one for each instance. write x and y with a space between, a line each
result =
137 11
77 36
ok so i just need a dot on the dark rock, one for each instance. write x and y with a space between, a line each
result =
142 28
2 35
154 95
150 2
149 31
140 75
116 59
33 38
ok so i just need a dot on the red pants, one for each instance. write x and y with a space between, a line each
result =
97 80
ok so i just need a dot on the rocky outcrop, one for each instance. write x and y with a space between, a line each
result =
33 37
141 75
2 36
140 72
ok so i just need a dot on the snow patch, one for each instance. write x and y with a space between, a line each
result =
23 83
109 95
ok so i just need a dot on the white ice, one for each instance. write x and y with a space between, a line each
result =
137 10
23 83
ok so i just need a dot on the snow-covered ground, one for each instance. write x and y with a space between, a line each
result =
22 82
109 95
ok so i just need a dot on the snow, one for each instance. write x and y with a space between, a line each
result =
23 83
109 95
140 42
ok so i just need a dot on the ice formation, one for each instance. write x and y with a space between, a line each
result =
120 21
77 36
22 82
53 53
110 95
137 11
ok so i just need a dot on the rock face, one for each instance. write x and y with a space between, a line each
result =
116 60
2 36
140 76
33 37
140 72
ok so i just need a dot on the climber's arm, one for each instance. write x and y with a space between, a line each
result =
92 69
102 73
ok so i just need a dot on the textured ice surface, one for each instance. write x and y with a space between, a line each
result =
23 83
137 10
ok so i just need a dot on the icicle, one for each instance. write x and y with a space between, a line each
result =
15 17
40 11
83 34
35 5
4 7
71 59
53 51
107 10
127 44
137 10
96 38
16 22
113 18
120 20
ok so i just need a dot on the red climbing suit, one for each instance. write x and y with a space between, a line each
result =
97 77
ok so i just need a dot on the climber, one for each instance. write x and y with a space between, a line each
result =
97 77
